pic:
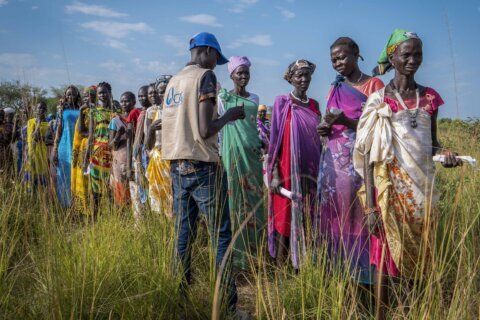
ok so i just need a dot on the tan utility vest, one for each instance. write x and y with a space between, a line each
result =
180 119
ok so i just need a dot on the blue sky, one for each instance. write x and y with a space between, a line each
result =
53 42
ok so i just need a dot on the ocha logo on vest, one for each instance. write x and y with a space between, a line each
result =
174 99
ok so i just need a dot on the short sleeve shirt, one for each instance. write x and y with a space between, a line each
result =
208 86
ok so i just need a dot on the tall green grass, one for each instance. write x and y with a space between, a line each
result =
52 265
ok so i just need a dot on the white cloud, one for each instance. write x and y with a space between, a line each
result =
241 5
156 67
162 68
17 59
204 19
263 40
94 10
25 67
115 44
3 2
35 7
178 44
265 62
287 14
116 30
111 65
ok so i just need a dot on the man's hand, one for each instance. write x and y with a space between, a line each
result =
236 113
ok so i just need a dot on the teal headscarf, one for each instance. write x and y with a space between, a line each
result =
398 36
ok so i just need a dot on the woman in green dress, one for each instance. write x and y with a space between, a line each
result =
241 153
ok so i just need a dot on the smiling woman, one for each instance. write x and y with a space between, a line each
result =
342 219
68 112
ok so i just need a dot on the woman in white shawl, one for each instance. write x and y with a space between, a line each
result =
396 139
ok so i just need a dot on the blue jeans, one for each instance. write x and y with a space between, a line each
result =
200 188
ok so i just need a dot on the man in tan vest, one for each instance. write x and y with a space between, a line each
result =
190 126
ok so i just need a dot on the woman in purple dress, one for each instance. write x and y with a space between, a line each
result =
342 218
293 159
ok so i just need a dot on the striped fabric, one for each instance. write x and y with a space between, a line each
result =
101 160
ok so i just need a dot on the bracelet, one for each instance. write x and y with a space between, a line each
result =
369 211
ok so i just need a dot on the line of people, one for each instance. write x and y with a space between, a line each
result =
359 179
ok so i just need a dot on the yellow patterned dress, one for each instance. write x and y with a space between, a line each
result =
37 164
79 179
101 158
159 180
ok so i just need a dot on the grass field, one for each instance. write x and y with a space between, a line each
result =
53 266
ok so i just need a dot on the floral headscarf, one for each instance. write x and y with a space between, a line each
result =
398 36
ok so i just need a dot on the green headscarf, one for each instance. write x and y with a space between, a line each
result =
398 36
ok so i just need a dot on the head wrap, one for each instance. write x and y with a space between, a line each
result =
294 66
237 61
262 107
163 78
398 36
9 110
90 90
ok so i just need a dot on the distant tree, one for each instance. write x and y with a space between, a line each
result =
20 96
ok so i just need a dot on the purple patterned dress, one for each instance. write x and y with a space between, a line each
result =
342 220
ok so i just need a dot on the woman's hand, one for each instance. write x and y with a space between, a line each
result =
334 118
120 132
36 135
374 222
324 130
55 156
275 185
83 107
156 125
450 159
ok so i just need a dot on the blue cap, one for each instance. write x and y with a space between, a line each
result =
205 39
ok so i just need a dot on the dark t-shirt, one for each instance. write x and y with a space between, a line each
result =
208 86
